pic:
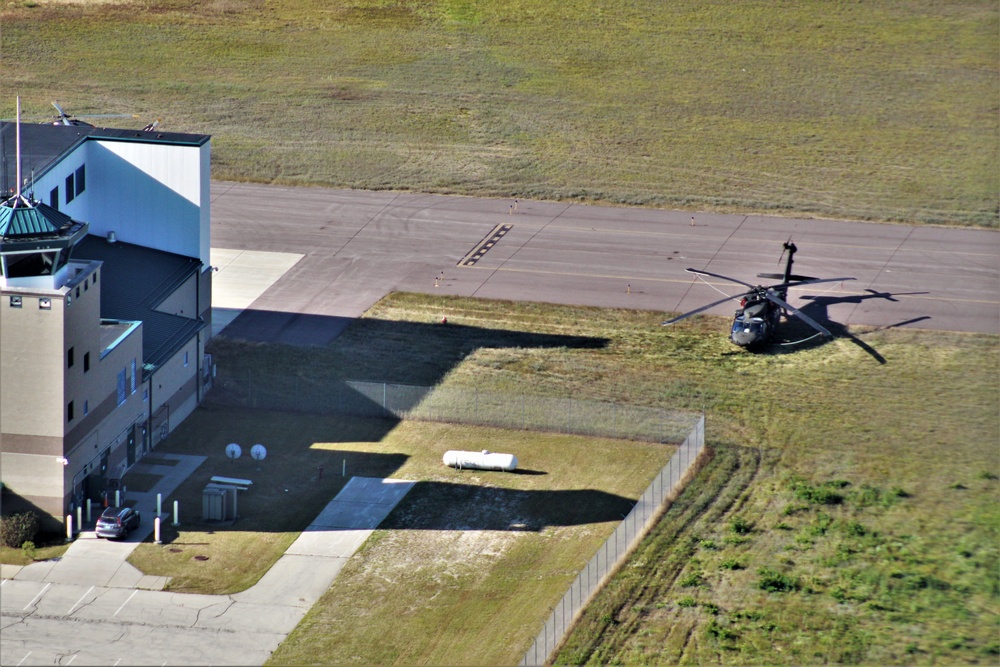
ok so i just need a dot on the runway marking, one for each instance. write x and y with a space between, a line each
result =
483 246
126 602
25 657
73 608
37 597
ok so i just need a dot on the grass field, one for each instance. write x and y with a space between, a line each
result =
450 556
849 514
875 110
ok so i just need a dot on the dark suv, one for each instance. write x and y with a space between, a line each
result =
117 521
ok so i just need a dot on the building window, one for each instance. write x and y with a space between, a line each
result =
54 198
45 303
185 359
86 408
86 361
121 386
77 291
133 376
15 302
69 358
70 189
81 179
95 277
69 411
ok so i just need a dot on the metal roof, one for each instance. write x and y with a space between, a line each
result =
18 218
42 146
134 281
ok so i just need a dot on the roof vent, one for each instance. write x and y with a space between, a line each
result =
111 237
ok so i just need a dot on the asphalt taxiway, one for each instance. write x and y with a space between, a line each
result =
354 247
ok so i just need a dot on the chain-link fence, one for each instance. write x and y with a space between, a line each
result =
462 405
617 547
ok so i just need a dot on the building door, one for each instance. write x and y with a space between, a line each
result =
130 447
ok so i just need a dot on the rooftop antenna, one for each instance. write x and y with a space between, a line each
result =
18 151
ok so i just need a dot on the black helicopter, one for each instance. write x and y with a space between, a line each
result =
761 308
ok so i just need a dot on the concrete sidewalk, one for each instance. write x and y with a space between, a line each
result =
94 561
52 617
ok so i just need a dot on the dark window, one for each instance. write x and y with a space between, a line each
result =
95 277
86 408
54 198
15 302
69 358
81 179
70 189
77 291
86 361
69 412
121 386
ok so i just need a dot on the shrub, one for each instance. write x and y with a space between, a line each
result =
709 544
773 581
16 529
692 579
28 549
740 526
732 564
686 601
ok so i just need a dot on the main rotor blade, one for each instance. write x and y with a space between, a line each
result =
799 314
717 275
704 308
812 281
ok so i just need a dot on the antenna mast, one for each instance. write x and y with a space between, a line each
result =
18 150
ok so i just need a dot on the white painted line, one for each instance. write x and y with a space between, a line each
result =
73 608
116 662
24 658
72 659
126 602
36 598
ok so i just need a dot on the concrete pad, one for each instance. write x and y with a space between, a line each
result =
295 581
9 571
328 543
242 276
374 490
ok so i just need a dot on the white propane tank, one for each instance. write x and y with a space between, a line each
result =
484 460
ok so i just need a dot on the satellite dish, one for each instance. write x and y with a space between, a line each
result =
258 452
233 451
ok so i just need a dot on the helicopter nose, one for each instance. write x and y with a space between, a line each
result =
743 338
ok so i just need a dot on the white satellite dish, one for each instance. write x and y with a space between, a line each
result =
233 451
258 452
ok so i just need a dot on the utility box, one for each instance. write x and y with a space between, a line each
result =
218 503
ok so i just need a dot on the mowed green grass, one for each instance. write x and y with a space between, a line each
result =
449 558
867 490
876 110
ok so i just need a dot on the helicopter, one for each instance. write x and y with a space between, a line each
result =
66 119
761 306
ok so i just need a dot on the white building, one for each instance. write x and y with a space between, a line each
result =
105 305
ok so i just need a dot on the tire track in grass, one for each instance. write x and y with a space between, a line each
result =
618 612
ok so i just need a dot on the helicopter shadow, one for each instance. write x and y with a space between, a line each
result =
818 309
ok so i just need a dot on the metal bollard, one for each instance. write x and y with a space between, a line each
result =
159 504
156 531
89 519
176 518
79 518
69 527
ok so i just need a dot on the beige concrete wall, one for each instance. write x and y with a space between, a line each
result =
183 301
173 383
30 339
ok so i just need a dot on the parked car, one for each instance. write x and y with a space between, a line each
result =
117 522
